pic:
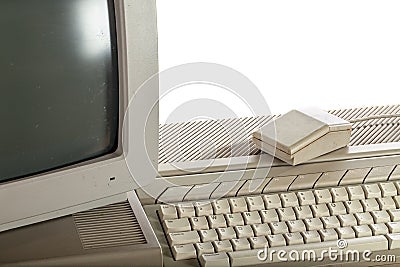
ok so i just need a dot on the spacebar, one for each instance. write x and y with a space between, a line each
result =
320 250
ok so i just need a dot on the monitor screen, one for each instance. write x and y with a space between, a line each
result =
59 94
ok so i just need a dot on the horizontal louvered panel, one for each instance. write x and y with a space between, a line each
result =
200 140
374 131
208 139
110 226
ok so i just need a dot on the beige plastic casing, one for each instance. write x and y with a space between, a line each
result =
59 242
104 180
301 135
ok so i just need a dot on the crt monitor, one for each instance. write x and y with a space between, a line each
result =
68 69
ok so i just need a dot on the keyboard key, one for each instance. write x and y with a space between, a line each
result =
339 194
279 184
174 194
388 189
394 241
168 212
279 228
253 187
304 181
378 174
222 246
362 231
183 238
345 232
186 210
216 221
394 215
379 229
244 231
269 216
289 200
177 225
355 192
226 233
252 217
293 238
203 208
227 189
394 227
240 244
369 204
320 210
255 203
322 196
347 220
306 198
364 218
386 203
372 191
328 234
201 191
336 208
261 229
286 214
395 174
303 212
258 242
272 201
199 223
276 240
221 206
380 216
353 206
215 259
311 236
234 219
355 176
397 201
238 204
313 224
204 248
329 179
208 235
244 258
296 226
184 252
330 222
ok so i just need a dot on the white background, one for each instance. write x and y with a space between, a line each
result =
329 54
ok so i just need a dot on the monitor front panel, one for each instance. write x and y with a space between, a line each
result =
59 98
68 68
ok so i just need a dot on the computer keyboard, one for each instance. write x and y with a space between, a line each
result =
231 231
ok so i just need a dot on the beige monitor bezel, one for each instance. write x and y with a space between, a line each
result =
106 179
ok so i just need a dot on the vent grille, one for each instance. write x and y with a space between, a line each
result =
376 131
209 139
202 140
110 226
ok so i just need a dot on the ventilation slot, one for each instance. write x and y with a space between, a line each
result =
199 140
110 226
375 131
